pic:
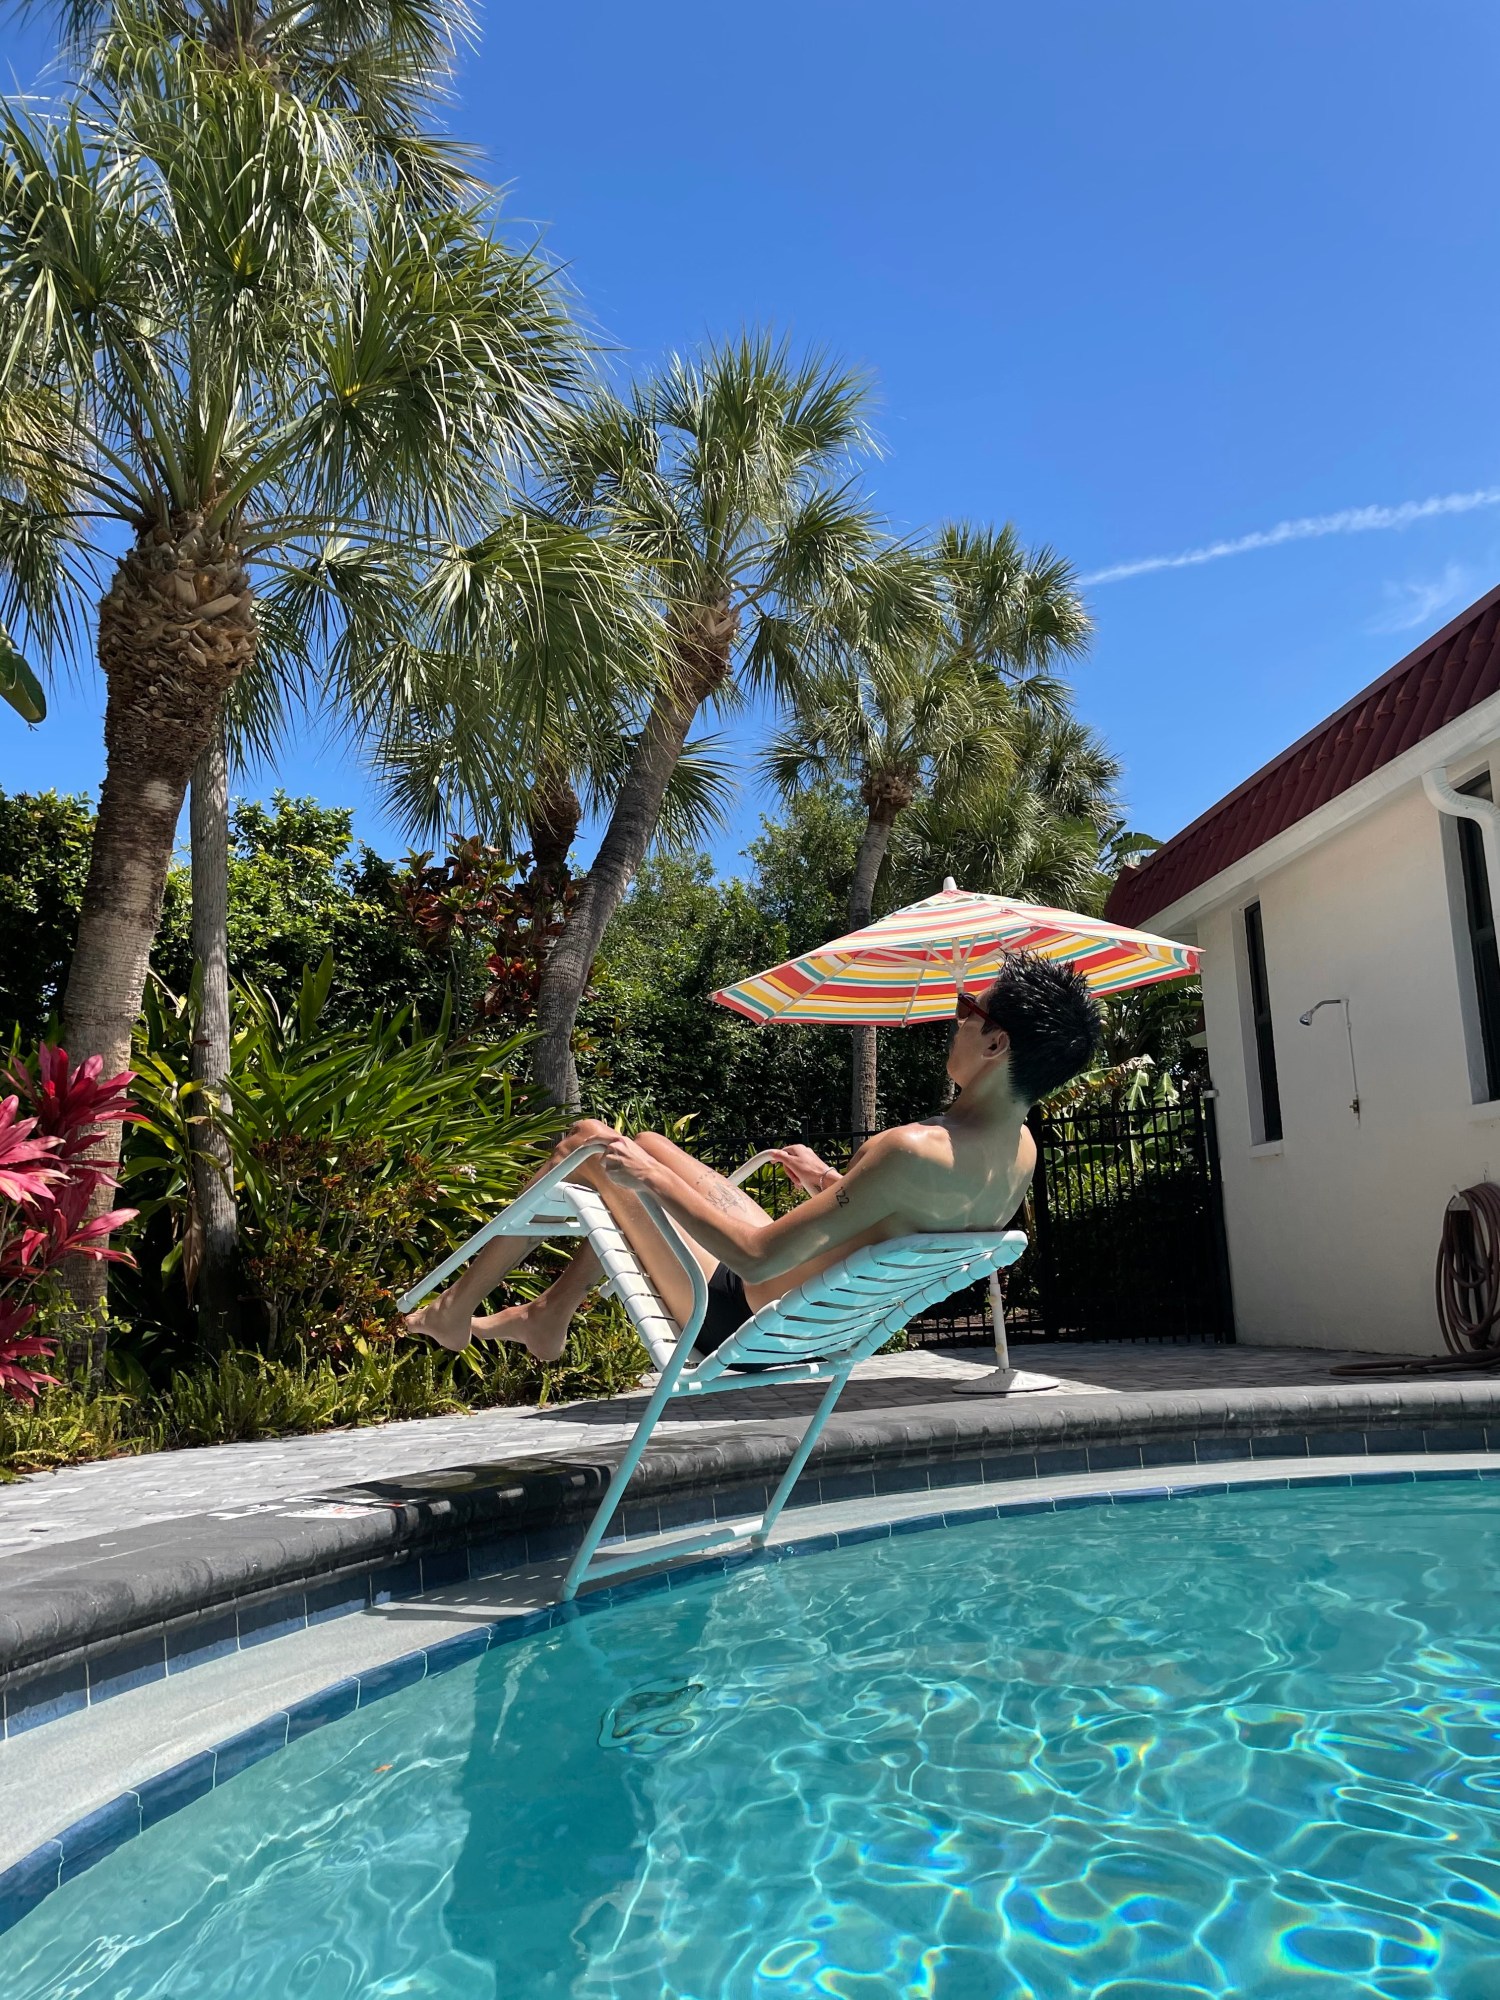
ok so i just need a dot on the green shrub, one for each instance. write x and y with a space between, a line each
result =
45 838
361 1157
236 1397
300 887
70 1425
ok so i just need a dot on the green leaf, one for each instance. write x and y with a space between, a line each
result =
18 684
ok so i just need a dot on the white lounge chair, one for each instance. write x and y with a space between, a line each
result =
817 1332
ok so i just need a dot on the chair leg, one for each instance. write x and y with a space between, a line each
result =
800 1456
615 1492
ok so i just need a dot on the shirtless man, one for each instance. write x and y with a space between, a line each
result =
1035 1027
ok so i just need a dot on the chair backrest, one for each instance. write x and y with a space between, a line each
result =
856 1305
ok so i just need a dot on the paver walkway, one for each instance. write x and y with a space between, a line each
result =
120 1494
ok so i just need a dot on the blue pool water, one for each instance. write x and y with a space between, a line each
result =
1240 1745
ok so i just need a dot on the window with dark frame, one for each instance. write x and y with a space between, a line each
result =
1260 1015
1479 910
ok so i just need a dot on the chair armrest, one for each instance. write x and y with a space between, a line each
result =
752 1165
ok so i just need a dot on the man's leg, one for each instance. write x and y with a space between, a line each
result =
542 1324
723 1194
446 1320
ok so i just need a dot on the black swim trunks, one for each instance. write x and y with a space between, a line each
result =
728 1309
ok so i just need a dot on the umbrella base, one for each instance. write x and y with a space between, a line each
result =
1006 1382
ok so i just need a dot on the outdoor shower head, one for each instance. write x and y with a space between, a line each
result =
1306 1020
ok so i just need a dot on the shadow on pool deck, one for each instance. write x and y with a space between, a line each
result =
107 1497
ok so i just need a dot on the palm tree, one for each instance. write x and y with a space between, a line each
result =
919 724
31 492
1010 611
449 769
936 724
298 395
384 70
727 479
1042 833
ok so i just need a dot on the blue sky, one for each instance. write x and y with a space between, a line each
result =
1144 280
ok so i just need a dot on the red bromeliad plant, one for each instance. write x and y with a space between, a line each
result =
48 1183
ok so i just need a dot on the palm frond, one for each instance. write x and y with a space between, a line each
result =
699 794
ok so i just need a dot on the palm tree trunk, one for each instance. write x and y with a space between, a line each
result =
176 628
217 1290
553 813
637 811
861 906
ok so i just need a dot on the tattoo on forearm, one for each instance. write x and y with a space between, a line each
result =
842 1197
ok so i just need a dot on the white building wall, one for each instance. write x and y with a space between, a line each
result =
1333 1232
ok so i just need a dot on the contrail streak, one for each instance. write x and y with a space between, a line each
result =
1352 521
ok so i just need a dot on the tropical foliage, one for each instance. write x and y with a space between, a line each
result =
299 888
19 686
362 1155
45 839
223 1398
933 720
291 433
300 393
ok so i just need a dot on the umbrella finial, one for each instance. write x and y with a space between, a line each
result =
950 887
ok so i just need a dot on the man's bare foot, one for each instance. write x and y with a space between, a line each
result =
443 1322
542 1333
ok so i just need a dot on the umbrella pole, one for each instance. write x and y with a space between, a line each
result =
1004 1380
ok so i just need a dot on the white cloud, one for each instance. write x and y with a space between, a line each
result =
1411 604
1352 521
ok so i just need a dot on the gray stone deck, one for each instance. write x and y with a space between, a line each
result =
112 1572
103 1499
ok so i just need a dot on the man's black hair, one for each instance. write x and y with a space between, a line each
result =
1052 1019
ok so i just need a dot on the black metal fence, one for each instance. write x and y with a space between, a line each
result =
1125 1222
1127 1227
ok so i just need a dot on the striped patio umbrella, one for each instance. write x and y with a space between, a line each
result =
911 965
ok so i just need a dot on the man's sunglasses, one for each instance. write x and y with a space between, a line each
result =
970 1009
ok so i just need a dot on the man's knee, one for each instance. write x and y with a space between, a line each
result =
585 1132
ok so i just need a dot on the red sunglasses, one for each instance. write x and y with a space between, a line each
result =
970 1009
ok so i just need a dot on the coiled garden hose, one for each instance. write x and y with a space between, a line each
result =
1468 1271
1468 1293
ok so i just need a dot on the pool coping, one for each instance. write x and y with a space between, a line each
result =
26 1883
86 1619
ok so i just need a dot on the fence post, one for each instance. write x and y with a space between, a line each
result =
1041 1210
1208 1117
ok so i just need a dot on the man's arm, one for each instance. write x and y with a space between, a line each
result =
874 1189
810 1173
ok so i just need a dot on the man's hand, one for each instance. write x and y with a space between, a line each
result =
810 1173
627 1164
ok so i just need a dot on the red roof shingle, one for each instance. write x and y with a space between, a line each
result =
1448 674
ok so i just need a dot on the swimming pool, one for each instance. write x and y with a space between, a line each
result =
1242 1744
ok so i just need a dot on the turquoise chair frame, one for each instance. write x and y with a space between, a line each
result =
818 1332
